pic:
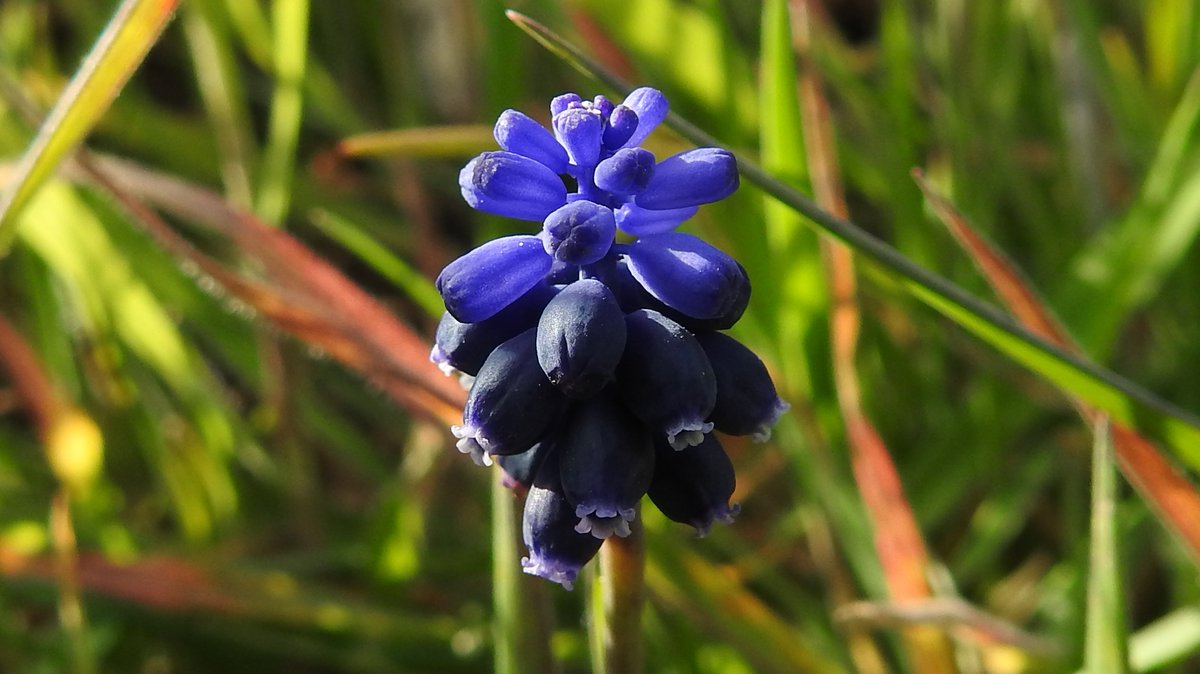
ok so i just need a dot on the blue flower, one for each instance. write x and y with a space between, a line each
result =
595 367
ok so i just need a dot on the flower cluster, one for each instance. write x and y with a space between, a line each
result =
597 370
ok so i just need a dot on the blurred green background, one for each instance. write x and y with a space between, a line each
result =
256 505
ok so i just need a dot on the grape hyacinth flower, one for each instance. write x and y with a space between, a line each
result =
597 370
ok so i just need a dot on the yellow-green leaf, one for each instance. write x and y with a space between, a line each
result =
116 54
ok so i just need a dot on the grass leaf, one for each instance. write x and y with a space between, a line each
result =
1105 649
116 54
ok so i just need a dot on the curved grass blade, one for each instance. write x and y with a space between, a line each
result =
116 54
1124 400
302 295
1174 499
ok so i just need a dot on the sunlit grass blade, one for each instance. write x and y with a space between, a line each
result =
1105 649
1166 640
444 141
1124 400
289 18
899 544
1173 497
797 306
304 295
116 54
117 307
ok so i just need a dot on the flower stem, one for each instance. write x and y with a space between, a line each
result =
70 603
523 621
616 611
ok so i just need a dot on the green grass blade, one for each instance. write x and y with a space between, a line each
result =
1125 401
119 50
798 305
224 99
1166 640
1130 266
290 18
1105 649
381 260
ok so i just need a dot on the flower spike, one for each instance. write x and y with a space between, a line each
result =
596 374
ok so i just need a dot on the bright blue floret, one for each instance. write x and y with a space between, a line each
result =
598 374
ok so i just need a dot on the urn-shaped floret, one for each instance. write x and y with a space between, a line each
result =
580 338
665 378
746 400
556 550
606 462
511 404
694 486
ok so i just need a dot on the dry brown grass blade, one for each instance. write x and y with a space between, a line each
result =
898 540
950 613
1162 485
301 294
32 386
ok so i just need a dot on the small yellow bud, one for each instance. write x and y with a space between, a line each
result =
75 450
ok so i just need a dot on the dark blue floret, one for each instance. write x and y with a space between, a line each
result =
665 378
556 550
579 233
746 400
505 183
580 338
606 461
478 285
694 486
521 469
689 275
691 178
511 404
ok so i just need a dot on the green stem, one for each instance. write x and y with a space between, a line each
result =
523 617
70 603
1106 648
290 19
618 592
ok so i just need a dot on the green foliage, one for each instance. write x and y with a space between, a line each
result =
265 507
